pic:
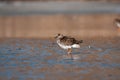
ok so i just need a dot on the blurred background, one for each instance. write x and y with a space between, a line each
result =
46 18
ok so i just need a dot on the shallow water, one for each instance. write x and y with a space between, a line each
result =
72 7
38 59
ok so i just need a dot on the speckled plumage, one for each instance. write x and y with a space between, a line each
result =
67 42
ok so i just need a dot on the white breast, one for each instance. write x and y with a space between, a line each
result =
63 46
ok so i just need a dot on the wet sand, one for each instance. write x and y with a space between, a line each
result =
43 59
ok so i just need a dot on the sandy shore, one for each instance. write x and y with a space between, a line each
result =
43 26
43 59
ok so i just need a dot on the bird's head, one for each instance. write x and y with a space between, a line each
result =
59 36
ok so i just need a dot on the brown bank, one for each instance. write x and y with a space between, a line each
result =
44 26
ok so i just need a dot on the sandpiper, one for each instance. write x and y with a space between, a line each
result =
68 43
117 23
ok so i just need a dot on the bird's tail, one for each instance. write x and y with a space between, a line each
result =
81 41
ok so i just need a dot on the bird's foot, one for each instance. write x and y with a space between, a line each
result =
70 56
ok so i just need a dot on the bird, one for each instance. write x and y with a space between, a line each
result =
67 43
117 22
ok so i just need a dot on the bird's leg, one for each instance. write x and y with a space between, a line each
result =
70 53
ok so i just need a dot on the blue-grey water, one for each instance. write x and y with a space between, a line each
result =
43 59
73 7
